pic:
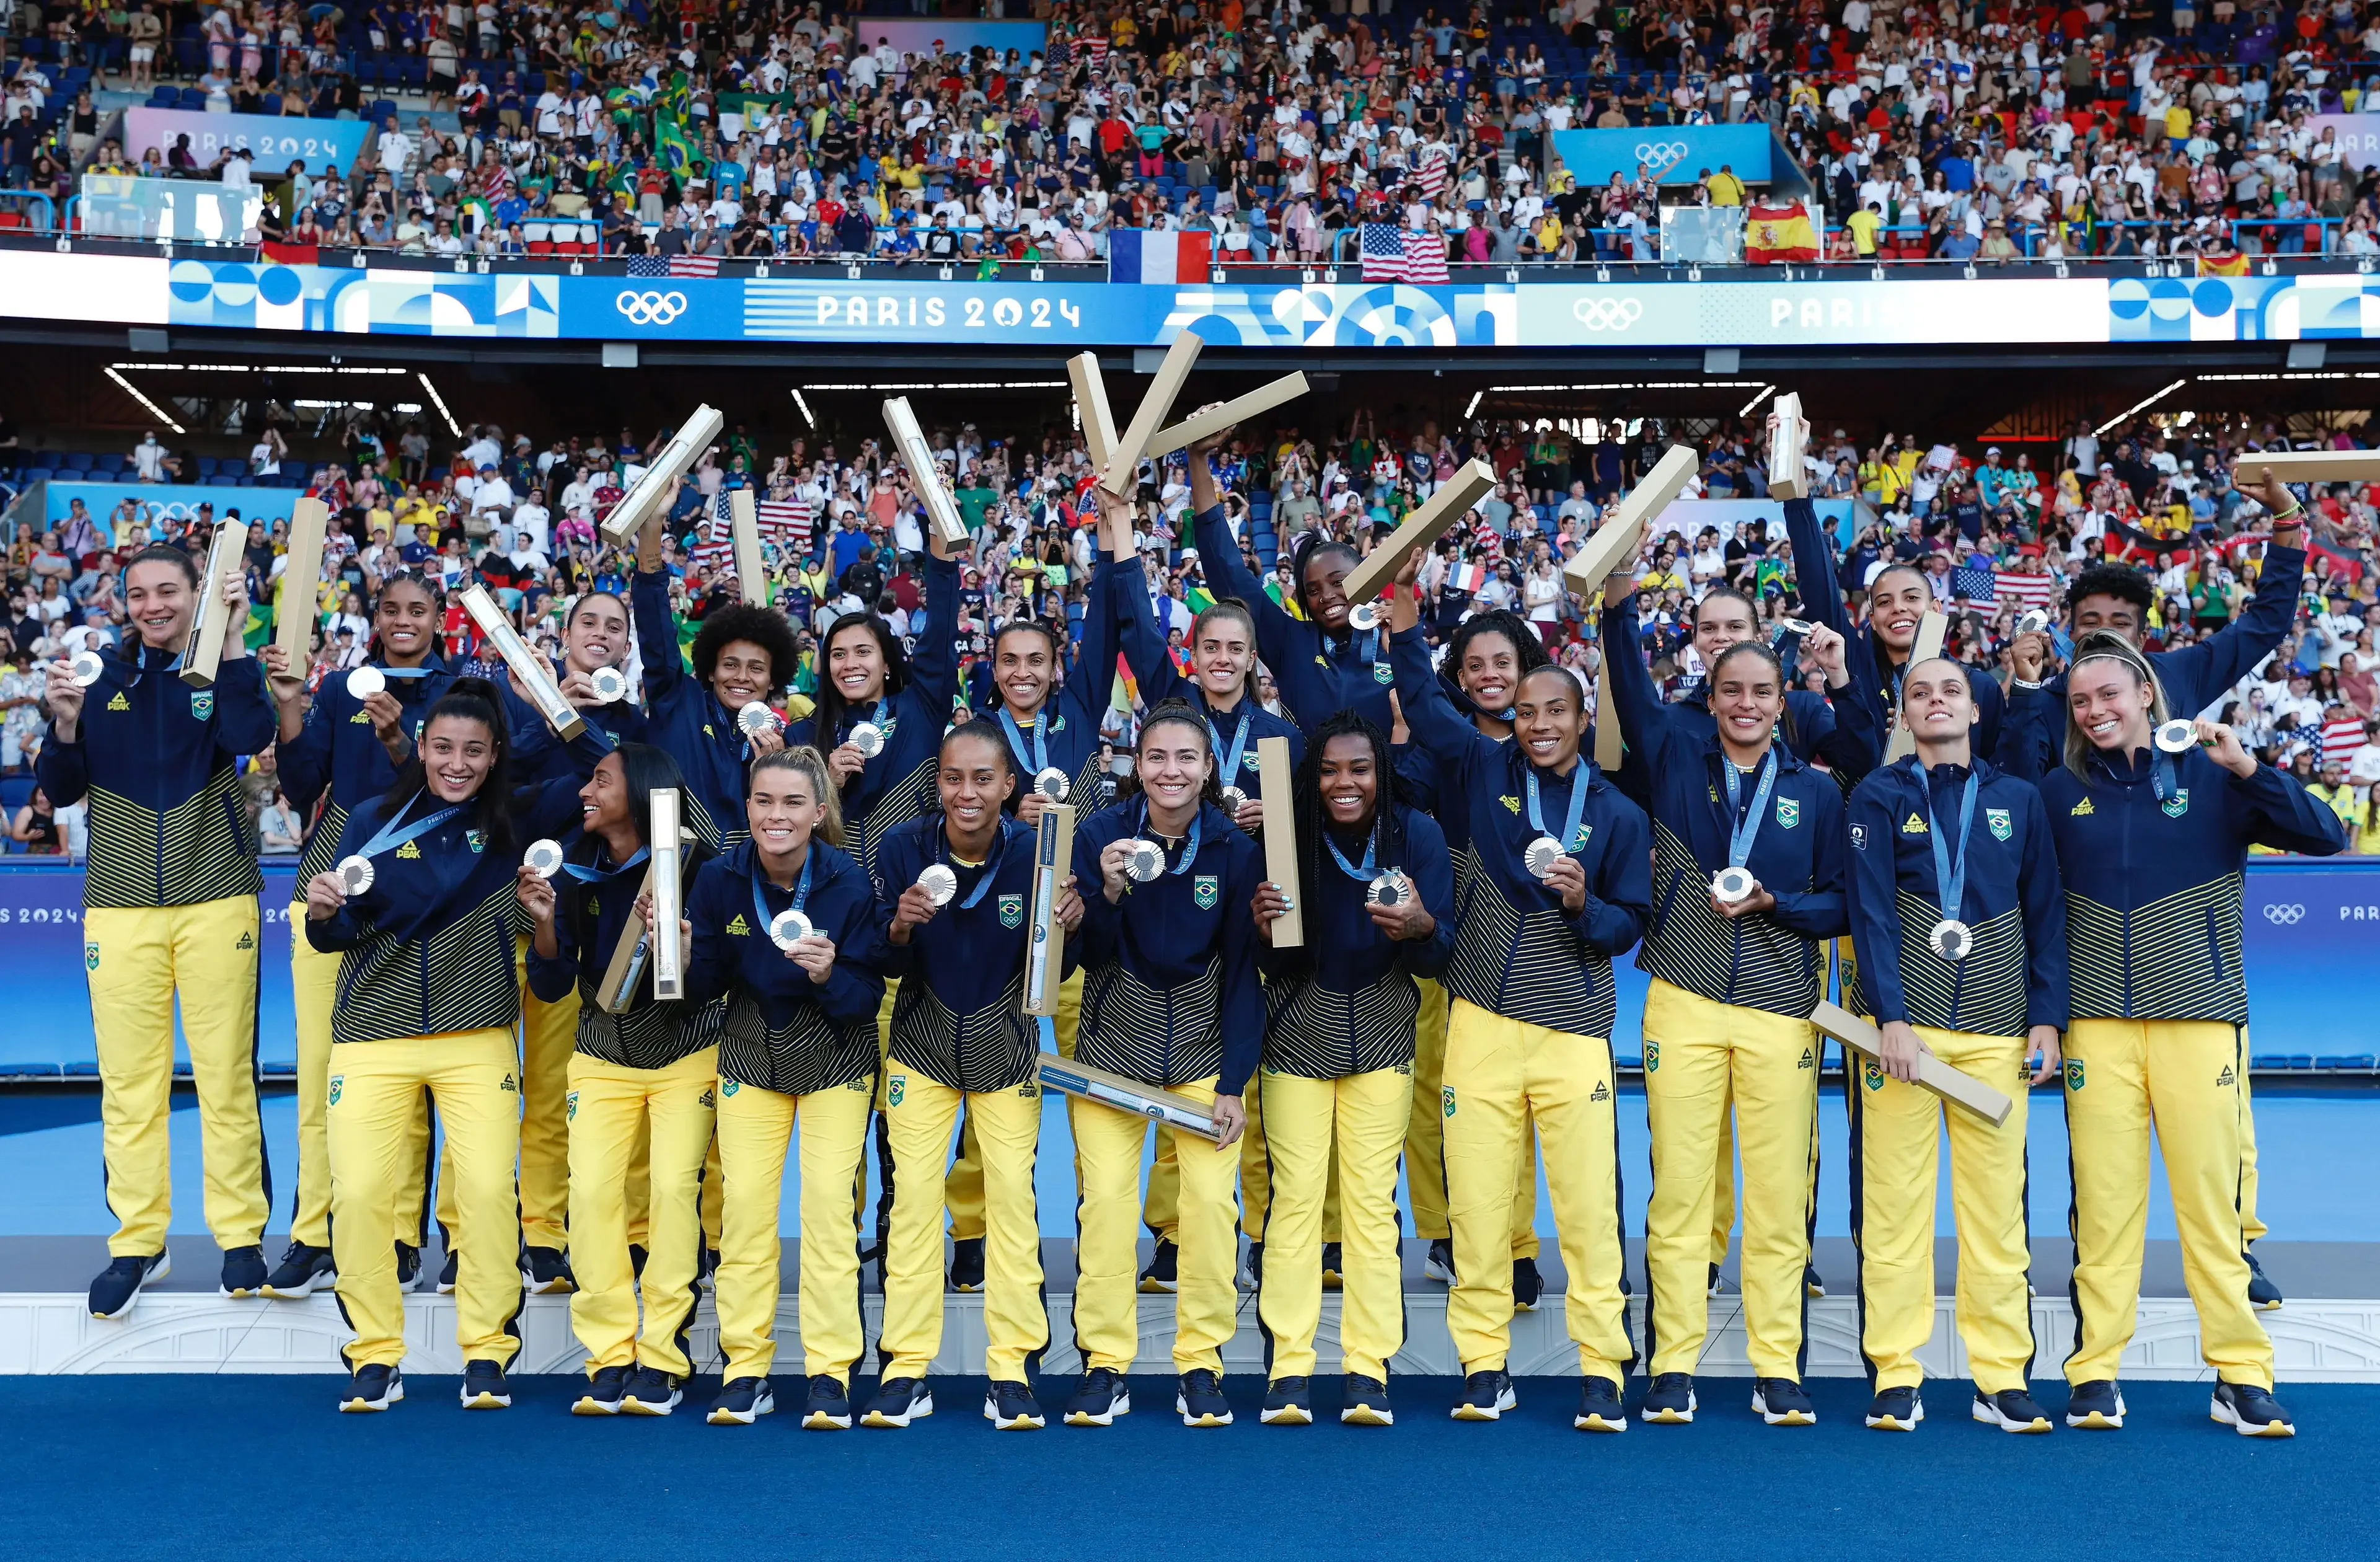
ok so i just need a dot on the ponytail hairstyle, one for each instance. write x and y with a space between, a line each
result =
805 760
1175 713
831 707
1023 625
1723 594
985 730
1388 826
1756 648
1313 545
419 581
1232 609
466 698
2101 645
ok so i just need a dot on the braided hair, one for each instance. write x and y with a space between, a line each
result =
1388 832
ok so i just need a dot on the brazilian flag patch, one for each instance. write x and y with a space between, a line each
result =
1652 1056
1449 1094
570 1108
1872 1075
202 705
1205 889
1011 910
896 1088
90 956
2074 1073
338 1083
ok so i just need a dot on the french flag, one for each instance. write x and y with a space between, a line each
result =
1468 578
1146 256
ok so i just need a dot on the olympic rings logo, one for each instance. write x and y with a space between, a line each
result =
2284 916
649 309
1660 157
1606 314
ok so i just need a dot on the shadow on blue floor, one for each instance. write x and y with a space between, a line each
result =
202 1468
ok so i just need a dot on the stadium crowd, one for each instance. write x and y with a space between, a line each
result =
1955 131
1999 531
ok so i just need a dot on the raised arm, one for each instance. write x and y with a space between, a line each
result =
648 598
1814 566
934 668
2197 674
1646 724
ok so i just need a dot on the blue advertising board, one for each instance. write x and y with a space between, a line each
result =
1672 154
162 502
273 142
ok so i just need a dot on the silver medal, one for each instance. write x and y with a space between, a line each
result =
611 685
2031 622
1363 616
1234 799
1541 856
1951 939
756 718
365 682
1730 885
86 668
2176 737
1388 889
939 883
1143 862
354 875
1051 784
1797 625
543 858
868 738
788 928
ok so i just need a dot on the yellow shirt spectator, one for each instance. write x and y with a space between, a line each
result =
1864 223
1726 190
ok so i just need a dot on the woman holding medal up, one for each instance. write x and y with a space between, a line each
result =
1537 921
956 937
646 1075
783 927
1748 881
2154 817
422 906
345 744
1171 998
1377 898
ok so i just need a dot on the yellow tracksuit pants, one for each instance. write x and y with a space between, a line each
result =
549 1041
2180 1078
1498 1072
1425 1142
921 1113
962 1188
140 959
607 1107
1161 1212
2252 1230
756 1127
1365 1117
1109 1146
1896 1154
314 981
641 1191
473 1078
1698 1053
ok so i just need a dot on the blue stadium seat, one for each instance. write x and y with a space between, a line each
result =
39 474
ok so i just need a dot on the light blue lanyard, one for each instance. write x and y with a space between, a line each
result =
1365 647
760 885
598 875
389 836
1950 872
1363 875
2161 779
1741 832
1230 772
1189 851
991 865
1577 810
1039 757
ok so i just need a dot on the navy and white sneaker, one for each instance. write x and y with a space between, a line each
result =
1199 1400
408 1265
1161 1278
1333 1268
303 1271
898 1402
1527 1285
2250 1411
2012 1409
1811 1283
604 1389
546 1271
243 1272
1288 1402
707 1278
1486 1395
1780 1401
448 1271
1900 1409
484 1387
1365 1403
118 1286
374 1388
967 1263
2262 1295
1251 1275
1440 1265
637 1256
1599 1409
650 1392
742 1402
1010 1407
828 1408
1669 1401
1102 1397
2097 1405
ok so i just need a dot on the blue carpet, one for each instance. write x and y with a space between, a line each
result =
216 1468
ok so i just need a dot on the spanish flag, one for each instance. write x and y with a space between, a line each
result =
2222 265
1776 234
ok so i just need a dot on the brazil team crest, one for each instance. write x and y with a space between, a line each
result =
202 705
1997 818
1873 1074
1011 910
1447 1095
1788 812
338 1085
1205 889
896 1088
2074 1073
1383 674
90 955
1652 1056
2178 804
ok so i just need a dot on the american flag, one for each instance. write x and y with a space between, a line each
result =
786 522
714 549
1431 177
1979 585
673 266
2340 739
1395 255
1097 49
